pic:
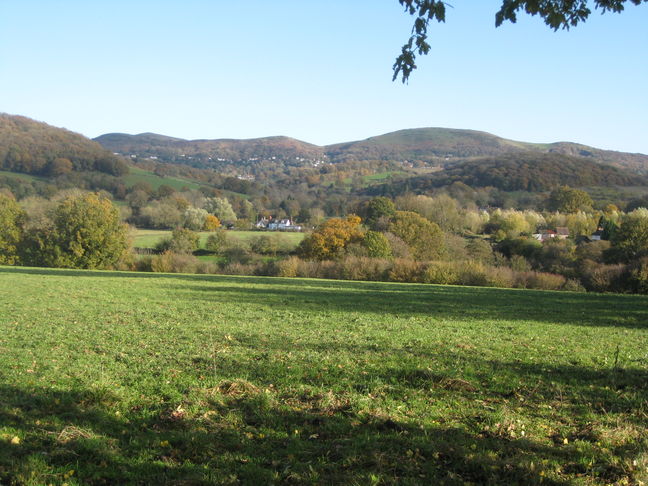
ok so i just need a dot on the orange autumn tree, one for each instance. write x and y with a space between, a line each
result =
331 239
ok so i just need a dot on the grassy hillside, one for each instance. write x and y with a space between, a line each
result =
443 145
113 378
136 175
425 144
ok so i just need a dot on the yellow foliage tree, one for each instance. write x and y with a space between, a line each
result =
331 238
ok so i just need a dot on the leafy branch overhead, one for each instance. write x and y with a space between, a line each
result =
557 14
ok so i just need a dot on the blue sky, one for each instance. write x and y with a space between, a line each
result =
320 71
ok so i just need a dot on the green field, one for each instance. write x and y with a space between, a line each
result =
19 175
126 378
144 238
135 175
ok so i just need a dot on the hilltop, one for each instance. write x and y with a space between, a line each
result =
212 153
437 146
36 148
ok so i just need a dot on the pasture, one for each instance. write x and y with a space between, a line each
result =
147 238
133 378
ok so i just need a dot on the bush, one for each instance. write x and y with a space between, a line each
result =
182 240
442 273
238 254
502 277
269 244
169 262
604 278
217 242
472 273
363 268
639 276
236 268
545 281
288 267
572 285
406 271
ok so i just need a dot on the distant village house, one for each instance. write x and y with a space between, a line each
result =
271 224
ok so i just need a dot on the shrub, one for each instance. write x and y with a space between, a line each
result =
572 285
288 267
169 262
545 281
217 242
472 273
363 268
639 275
406 271
499 277
604 278
236 268
238 254
184 240
269 244
442 273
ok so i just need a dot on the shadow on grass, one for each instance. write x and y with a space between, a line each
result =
249 437
441 302
630 311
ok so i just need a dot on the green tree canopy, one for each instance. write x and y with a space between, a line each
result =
221 208
568 200
557 14
12 219
424 238
631 239
377 245
375 209
86 232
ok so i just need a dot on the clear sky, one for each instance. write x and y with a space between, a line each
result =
320 70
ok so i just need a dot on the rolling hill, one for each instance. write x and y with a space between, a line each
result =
37 148
212 153
524 171
437 146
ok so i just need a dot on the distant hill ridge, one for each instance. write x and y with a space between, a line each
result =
440 146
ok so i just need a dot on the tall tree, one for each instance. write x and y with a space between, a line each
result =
86 233
12 219
568 200
557 14
424 238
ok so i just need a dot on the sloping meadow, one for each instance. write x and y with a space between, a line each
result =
114 378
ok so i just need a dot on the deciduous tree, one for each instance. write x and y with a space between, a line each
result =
424 238
557 14
12 220
86 233
331 238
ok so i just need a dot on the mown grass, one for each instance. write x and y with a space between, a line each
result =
114 378
145 238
